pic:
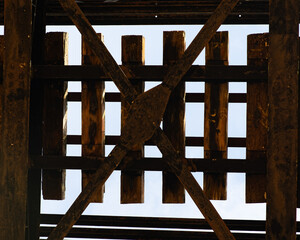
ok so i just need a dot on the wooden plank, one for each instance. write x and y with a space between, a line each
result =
283 120
152 164
109 233
157 222
15 118
215 118
35 121
153 73
189 97
298 165
166 12
132 182
93 118
189 141
54 116
174 116
257 118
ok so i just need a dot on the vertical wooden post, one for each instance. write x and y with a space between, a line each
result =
257 118
93 118
174 116
15 119
132 182
55 116
283 120
35 121
215 118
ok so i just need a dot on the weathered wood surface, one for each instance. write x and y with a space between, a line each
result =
108 64
153 73
35 122
179 167
178 70
189 141
55 116
15 119
283 120
174 116
215 118
157 222
189 97
83 200
132 182
257 118
93 118
159 12
144 116
152 164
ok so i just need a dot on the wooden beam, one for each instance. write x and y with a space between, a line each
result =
143 234
215 118
179 167
257 117
55 116
35 121
152 164
161 12
283 120
93 118
154 73
83 200
178 70
132 182
15 118
174 116
108 64
157 222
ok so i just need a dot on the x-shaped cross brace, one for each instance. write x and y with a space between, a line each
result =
144 119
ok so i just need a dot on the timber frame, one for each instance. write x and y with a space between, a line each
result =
22 111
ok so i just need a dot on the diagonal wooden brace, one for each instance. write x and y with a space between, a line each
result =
108 63
144 111
179 167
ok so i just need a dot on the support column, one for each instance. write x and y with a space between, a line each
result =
283 120
15 119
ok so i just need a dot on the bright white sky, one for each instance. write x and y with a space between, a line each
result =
234 207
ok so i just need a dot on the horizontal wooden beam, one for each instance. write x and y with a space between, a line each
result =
189 141
157 222
153 73
189 97
146 234
157 12
151 164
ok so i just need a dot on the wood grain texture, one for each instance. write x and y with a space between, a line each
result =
257 118
143 119
55 116
283 120
93 118
174 116
179 167
143 12
216 118
132 182
178 70
35 122
153 73
108 64
15 118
